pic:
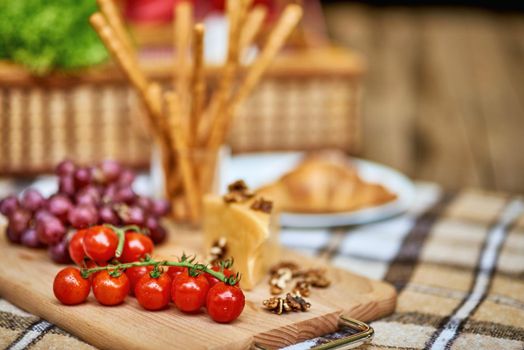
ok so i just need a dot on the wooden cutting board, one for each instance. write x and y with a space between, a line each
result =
26 278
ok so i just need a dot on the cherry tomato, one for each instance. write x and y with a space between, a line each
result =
76 247
174 271
70 287
225 303
136 246
213 280
100 243
109 290
134 274
189 293
153 293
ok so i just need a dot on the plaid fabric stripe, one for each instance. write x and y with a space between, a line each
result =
449 330
20 330
456 260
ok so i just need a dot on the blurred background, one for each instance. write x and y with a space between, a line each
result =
434 89
444 87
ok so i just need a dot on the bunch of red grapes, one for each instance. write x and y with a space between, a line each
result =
86 196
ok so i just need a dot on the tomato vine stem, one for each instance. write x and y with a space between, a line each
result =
121 233
232 280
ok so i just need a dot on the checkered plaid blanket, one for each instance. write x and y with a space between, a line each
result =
457 261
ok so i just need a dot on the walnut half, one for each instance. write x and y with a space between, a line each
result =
217 252
291 302
302 288
284 264
238 192
262 205
316 277
279 280
281 275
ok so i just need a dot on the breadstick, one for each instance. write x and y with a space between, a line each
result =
245 6
276 40
126 63
198 82
223 91
179 142
183 29
117 50
154 96
251 27
148 93
110 11
154 100
168 162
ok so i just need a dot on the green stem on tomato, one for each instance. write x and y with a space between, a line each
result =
149 262
156 272
121 233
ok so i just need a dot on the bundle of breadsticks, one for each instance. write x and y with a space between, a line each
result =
184 121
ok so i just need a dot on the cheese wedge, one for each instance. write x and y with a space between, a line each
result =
250 239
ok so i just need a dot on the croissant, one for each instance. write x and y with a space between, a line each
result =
322 183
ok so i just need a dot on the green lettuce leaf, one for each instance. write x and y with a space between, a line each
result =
47 35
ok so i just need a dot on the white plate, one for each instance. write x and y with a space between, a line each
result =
258 169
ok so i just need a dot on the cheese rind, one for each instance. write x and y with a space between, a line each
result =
251 241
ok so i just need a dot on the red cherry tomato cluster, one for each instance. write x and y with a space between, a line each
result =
154 288
99 244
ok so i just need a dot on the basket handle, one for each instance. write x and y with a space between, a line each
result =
364 335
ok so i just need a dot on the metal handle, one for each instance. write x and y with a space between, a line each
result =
363 336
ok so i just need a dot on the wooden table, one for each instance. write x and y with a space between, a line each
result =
444 92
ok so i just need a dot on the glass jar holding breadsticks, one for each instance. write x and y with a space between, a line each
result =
189 128
195 168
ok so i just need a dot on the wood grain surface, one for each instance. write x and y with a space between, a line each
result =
444 90
26 278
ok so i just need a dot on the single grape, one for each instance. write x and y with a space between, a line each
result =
108 216
124 195
66 185
59 205
157 233
8 205
160 207
126 178
109 193
132 215
41 214
111 170
50 230
151 223
66 167
82 216
30 238
19 220
59 252
145 203
88 195
12 235
32 200
82 177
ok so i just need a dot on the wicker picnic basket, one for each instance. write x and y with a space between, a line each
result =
308 100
